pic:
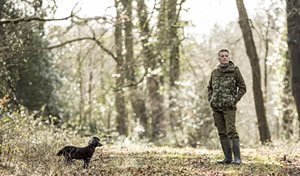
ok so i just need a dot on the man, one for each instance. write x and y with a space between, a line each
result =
226 87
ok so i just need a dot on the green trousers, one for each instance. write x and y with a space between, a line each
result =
225 123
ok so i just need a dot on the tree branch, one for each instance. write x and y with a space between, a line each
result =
85 38
116 89
29 19
180 8
34 18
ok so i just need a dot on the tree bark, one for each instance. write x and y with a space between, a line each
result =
150 63
293 26
81 90
173 42
174 70
81 85
129 57
286 102
136 96
90 91
153 62
122 115
256 75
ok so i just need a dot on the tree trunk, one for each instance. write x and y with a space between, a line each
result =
155 61
266 69
174 43
286 103
122 115
293 25
81 86
150 63
157 109
136 96
256 75
129 58
90 94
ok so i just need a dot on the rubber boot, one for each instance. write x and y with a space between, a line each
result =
226 147
236 151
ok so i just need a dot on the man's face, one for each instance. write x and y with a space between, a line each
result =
224 57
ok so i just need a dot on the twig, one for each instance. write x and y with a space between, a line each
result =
132 84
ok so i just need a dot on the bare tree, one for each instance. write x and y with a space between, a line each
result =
244 22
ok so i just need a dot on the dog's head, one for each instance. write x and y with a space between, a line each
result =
95 141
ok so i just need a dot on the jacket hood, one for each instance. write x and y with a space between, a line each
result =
227 68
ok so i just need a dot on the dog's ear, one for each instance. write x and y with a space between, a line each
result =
94 141
96 138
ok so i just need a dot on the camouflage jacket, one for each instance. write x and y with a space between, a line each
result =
226 87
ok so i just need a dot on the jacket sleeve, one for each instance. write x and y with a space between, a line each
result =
209 88
241 85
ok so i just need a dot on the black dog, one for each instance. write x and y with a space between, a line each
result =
80 153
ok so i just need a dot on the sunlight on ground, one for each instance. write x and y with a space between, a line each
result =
146 159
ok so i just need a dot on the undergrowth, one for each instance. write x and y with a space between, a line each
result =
29 147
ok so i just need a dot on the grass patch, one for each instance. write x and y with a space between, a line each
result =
29 148
147 160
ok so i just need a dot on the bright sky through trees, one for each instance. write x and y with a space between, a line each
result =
203 14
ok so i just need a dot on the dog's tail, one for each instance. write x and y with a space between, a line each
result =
60 152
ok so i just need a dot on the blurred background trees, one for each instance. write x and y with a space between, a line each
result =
137 74
27 71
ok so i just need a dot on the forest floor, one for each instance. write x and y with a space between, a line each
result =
151 160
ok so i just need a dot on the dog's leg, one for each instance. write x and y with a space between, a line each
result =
68 160
86 163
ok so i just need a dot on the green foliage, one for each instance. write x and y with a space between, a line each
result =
37 80
27 69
